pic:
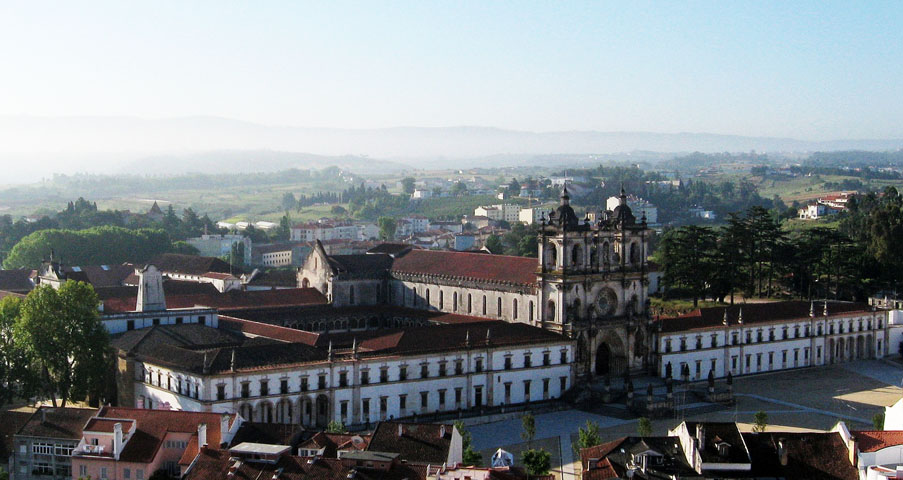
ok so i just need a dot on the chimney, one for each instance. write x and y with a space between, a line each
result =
441 431
202 435
782 453
224 427
400 430
150 290
117 440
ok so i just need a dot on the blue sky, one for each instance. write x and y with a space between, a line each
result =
809 70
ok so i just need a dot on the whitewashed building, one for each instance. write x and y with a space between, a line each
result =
352 377
763 337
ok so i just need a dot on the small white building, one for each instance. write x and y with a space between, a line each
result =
534 214
505 211
637 205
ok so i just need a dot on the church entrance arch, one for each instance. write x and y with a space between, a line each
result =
610 355
603 359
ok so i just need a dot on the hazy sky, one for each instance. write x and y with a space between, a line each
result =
811 70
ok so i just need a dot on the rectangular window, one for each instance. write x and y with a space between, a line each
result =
264 387
545 387
245 390
479 364
668 346
365 405
748 361
343 379
424 370
546 359
130 325
82 470
365 377
402 402
321 382
126 473
179 320
402 373
459 367
303 384
42 448
283 386
564 384
526 390
220 392
458 396
442 368
139 472
441 398
383 375
527 361
103 472
424 400
343 409
714 341
564 357
507 363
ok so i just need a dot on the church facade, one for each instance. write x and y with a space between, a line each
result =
589 282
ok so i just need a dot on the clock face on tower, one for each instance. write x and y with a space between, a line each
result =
607 302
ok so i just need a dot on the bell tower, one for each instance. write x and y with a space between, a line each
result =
593 284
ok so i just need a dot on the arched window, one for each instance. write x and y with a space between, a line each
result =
455 301
593 256
575 255
514 307
428 296
469 303
553 255
634 254
484 304
305 283
499 302
441 299
550 314
530 317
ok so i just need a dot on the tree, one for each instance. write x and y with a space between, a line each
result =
289 202
284 232
644 427
470 456
64 340
338 211
15 380
237 255
494 244
335 426
387 226
587 437
878 421
760 421
537 462
407 185
458 189
528 422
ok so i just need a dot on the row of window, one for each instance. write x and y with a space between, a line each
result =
103 474
785 335
264 385
130 324
455 304
43 448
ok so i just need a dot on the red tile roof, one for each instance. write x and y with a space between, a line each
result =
267 330
153 425
63 422
874 440
234 300
713 317
466 265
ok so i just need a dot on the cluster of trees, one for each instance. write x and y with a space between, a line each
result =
94 246
754 255
289 202
54 346
520 241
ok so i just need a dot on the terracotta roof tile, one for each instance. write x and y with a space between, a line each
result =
233 300
496 268
753 313
874 440
419 442
57 422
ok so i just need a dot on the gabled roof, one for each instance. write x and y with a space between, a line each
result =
153 425
198 348
99 275
466 265
455 336
366 265
753 313
418 443
333 442
821 455
393 249
57 422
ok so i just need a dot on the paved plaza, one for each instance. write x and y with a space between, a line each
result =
805 399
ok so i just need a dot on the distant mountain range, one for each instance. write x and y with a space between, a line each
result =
41 145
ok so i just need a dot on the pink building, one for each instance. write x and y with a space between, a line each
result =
131 444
